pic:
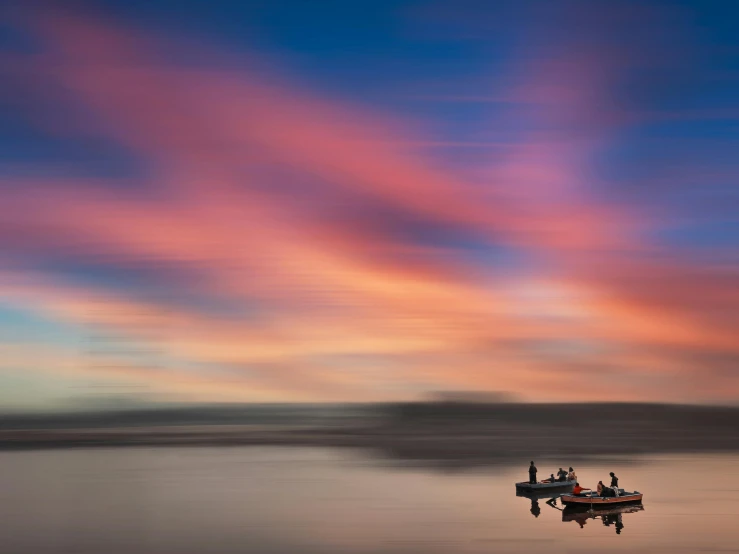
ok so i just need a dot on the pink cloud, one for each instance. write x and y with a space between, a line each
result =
332 287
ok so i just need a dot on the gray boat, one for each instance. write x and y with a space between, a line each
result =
545 486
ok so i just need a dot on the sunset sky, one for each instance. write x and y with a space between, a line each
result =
358 201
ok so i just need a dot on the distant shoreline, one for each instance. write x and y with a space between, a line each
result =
444 433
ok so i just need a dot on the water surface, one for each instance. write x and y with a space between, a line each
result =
270 500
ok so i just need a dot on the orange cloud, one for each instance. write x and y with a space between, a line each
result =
221 148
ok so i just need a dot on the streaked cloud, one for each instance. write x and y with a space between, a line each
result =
271 241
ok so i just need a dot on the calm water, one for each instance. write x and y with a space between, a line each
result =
228 500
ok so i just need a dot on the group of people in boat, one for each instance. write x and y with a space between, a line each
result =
608 491
564 476
601 489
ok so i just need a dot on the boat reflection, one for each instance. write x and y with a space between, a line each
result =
612 516
535 497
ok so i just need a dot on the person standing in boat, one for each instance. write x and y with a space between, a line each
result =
571 475
532 474
614 480
561 475
614 484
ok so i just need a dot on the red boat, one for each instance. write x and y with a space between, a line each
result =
594 500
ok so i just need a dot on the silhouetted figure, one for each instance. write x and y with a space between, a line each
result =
614 480
561 475
535 509
619 524
532 474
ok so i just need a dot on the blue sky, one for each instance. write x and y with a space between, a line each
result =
285 187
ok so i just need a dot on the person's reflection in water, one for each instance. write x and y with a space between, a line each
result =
619 524
535 509
614 519
582 520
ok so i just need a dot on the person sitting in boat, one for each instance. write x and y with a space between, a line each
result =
551 478
561 475
532 474
577 490
600 488
608 492
571 475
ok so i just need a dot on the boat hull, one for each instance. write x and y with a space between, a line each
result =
596 501
541 494
561 486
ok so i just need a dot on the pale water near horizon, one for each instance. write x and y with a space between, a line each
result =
279 500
